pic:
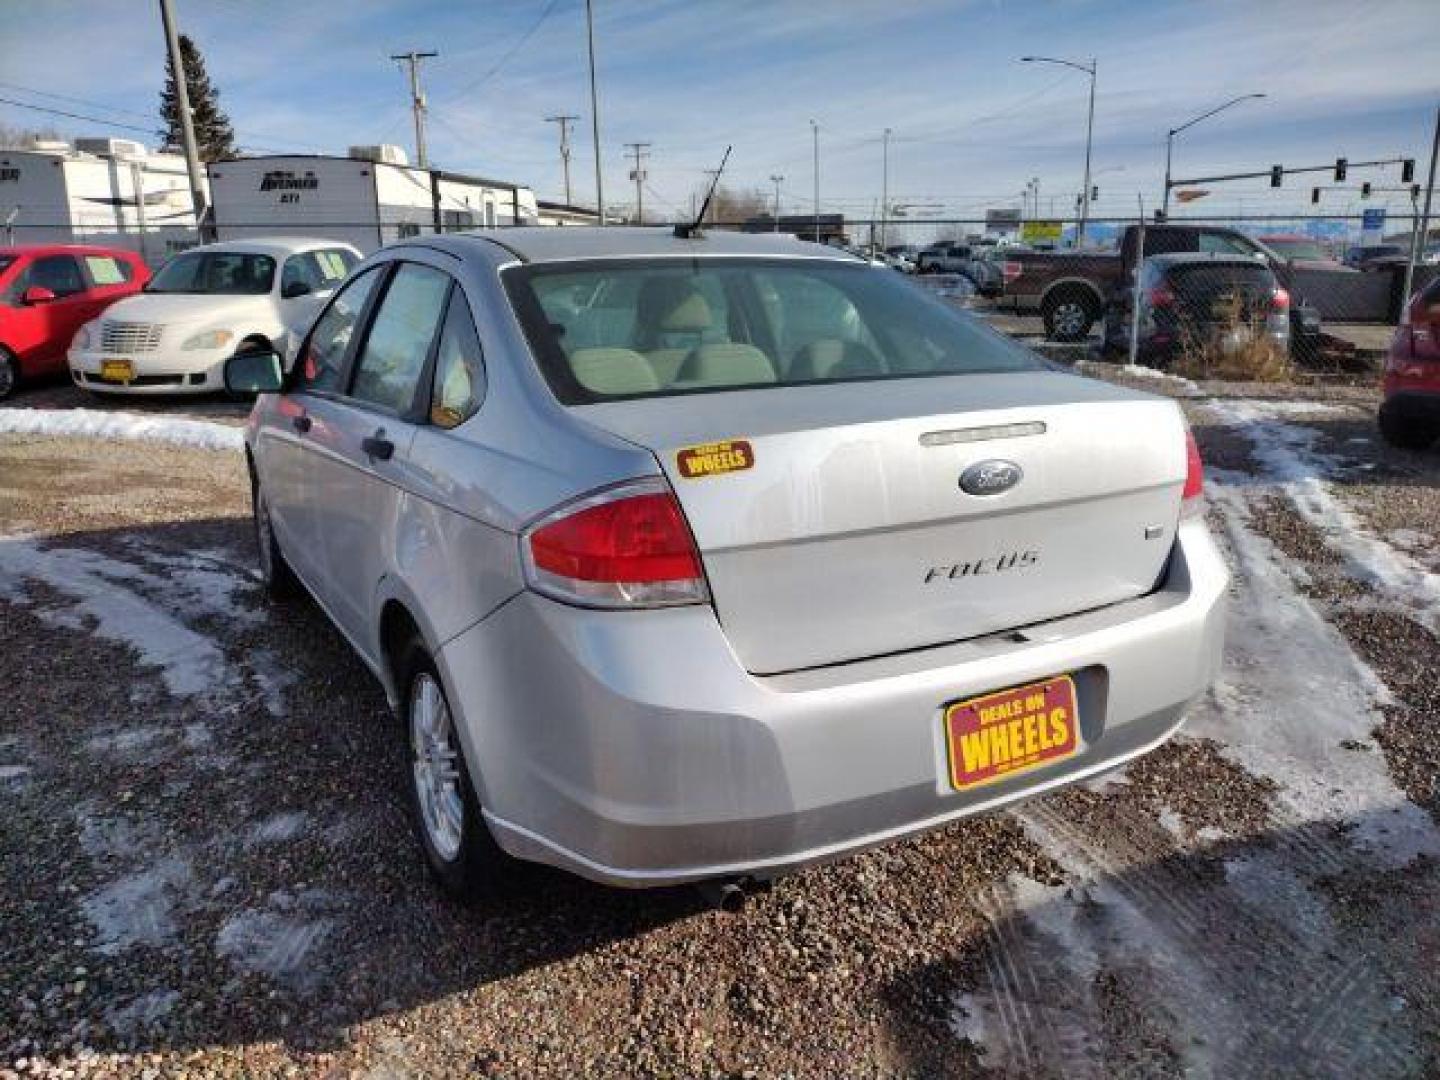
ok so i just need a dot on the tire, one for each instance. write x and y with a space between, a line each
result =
9 373
1405 432
1069 315
462 855
279 580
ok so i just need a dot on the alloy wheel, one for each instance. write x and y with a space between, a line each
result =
435 762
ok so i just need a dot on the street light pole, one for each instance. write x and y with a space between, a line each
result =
776 181
1170 142
595 112
1088 69
815 134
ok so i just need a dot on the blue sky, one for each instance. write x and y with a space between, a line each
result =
970 124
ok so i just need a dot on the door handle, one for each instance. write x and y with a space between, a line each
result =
378 447
302 423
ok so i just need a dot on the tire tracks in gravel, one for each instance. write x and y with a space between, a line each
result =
1258 973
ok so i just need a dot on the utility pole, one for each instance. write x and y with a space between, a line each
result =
638 175
776 179
564 122
417 101
187 119
1418 236
1170 143
884 184
594 111
815 133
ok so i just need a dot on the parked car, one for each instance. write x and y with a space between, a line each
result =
1410 413
47 292
1372 256
1203 304
1071 290
964 260
201 307
704 557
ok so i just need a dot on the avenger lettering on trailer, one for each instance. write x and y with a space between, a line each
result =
289 184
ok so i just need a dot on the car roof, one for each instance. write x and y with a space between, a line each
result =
20 250
271 245
542 243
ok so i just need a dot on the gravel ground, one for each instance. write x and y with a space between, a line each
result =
206 867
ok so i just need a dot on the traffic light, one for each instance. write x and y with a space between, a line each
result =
1277 174
1340 166
1365 190
1094 192
1407 170
1314 195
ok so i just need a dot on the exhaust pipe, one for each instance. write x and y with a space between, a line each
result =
723 895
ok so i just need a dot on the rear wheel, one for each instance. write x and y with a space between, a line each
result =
280 581
462 854
1069 314
9 373
1407 432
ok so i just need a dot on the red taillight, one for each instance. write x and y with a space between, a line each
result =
1280 300
1011 270
628 546
1194 476
1161 296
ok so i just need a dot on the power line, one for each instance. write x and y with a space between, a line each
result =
509 54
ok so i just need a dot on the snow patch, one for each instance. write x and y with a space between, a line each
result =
142 1012
137 909
279 828
1290 463
275 945
1138 371
98 424
13 772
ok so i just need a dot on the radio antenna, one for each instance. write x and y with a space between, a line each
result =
692 230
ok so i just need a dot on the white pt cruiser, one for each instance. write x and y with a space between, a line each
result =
202 307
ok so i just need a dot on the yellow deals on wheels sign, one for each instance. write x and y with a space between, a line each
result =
1041 232
1010 732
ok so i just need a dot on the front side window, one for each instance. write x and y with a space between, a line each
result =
646 328
322 359
58 273
218 273
387 371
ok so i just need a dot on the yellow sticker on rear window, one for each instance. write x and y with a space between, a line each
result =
712 459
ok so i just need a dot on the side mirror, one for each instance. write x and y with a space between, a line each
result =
292 289
37 294
254 373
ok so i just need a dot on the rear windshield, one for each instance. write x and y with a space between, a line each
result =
650 328
1219 275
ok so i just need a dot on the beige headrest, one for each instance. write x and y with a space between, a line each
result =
613 371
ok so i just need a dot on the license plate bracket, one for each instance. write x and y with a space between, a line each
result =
1004 733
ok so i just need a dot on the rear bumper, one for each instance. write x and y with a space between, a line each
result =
633 749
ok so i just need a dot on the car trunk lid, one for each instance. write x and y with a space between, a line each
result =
833 526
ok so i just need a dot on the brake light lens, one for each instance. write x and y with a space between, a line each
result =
1280 300
1011 270
625 547
1161 296
1194 477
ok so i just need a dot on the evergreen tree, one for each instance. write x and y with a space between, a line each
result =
214 137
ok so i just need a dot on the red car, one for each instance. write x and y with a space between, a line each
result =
49 291
1410 413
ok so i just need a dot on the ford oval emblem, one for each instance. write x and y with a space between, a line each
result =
990 477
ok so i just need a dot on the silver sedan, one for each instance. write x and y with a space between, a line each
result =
712 556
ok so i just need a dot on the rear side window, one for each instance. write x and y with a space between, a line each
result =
459 384
322 360
107 270
647 328
387 371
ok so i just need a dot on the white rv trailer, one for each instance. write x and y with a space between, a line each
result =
367 199
99 191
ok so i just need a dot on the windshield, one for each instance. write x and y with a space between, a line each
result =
1297 249
221 273
661 327
6 261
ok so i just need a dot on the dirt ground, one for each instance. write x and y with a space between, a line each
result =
206 867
